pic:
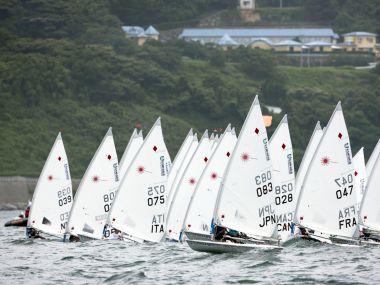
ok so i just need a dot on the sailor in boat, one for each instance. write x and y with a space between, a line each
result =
21 220
73 238
368 235
33 233
116 235
223 234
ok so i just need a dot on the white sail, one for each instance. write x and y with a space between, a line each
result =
140 204
307 157
247 197
134 144
360 175
200 212
96 192
186 187
53 196
369 208
372 159
182 168
215 142
281 152
179 159
327 202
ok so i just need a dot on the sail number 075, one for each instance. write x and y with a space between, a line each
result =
156 195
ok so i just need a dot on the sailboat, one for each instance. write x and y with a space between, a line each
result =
201 208
372 159
96 191
244 216
281 151
369 213
307 157
53 196
139 208
185 189
179 160
360 175
185 154
133 146
327 202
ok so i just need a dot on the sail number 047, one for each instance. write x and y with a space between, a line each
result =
156 196
346 186
263 181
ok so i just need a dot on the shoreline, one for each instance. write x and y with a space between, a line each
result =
16 191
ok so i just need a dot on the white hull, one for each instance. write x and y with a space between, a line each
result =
198 236
224 247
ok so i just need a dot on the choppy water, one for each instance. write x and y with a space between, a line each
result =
24 261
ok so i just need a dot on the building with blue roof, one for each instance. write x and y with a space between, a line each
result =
139 34
226 42
360 41
245 36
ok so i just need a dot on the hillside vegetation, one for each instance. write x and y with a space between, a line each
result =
66 66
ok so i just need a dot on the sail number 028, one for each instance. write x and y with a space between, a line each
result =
284 189
108 198
156 196
263 181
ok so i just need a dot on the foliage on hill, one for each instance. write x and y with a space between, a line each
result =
67 66
345 14
147 12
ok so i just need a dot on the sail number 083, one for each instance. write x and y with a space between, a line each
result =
263 181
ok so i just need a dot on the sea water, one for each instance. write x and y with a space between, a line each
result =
25 261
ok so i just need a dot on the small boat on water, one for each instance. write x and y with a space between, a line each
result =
360 175
53 195
369 212
139 208
132 148
281 151
200 212
244 216
372 159
95 193
180 162
177 210
17 222
327 205
307 157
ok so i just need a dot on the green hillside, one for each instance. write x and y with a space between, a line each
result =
66 66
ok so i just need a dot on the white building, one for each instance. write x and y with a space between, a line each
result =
248 35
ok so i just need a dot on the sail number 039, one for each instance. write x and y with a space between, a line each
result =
263 183
346 186
156 195
64 196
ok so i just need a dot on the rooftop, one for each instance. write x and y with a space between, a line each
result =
151 31
364 34
258 32
227 41
287 43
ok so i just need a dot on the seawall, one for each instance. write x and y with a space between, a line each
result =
16 191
